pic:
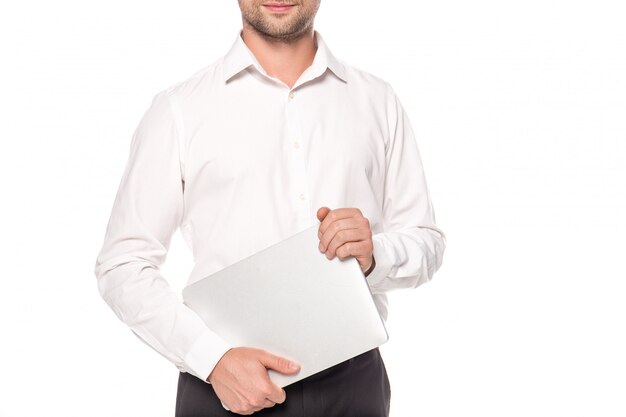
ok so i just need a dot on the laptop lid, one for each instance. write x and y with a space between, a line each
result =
289 299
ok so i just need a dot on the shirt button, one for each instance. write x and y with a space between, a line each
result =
291 95
301 196
296 145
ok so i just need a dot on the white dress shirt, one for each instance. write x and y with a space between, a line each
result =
239 161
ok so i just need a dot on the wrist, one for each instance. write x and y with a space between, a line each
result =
371 267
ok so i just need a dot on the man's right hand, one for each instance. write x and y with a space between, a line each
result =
241 381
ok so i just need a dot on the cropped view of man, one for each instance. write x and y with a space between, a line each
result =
273 137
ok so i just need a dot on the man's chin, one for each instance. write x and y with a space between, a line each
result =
278 35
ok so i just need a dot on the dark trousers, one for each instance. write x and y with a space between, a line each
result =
358 387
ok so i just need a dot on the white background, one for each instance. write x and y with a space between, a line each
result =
519 111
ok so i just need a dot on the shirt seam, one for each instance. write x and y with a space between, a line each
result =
180 140
180 131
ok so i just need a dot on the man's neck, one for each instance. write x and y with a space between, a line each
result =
283 60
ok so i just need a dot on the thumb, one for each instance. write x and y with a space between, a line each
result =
322 212
278 363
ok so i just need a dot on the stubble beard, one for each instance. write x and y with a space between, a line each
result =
281 28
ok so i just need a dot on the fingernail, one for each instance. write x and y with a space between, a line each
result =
293 365
321 248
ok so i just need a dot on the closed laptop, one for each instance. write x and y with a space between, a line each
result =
291 300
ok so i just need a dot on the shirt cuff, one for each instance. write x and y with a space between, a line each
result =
384 263
205 353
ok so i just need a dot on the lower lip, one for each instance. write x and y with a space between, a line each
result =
279 9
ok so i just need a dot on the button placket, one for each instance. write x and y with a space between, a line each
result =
298 166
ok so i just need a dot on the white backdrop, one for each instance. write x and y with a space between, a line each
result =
519 111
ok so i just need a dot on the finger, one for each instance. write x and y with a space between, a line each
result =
334 228
278 395
322 212
270 391
344 237
278 363
268 403
362 251
337 214
265 404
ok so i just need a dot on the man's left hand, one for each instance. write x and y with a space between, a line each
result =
346 232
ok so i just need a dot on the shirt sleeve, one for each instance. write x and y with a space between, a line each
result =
410 248
147 210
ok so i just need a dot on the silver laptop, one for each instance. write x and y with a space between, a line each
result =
291 300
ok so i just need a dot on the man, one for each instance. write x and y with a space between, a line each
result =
276 135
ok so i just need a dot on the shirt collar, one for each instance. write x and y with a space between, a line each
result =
240 57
